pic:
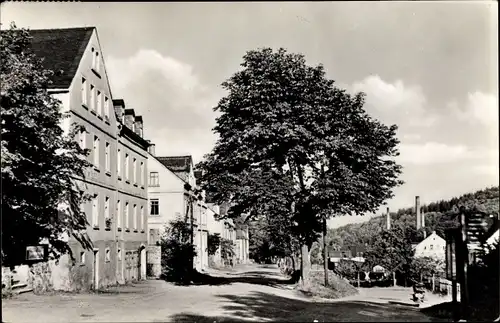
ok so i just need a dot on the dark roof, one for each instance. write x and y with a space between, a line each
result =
119 102
176 163
138 118
130 111
61 51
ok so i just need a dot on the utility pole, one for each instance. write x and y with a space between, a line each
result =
464 262
325 251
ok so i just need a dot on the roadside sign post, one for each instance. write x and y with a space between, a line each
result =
452 237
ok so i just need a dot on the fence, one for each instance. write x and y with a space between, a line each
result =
440 285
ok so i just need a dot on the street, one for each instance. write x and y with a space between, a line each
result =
249 293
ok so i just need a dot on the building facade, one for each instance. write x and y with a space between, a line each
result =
117 226
172 196
433 247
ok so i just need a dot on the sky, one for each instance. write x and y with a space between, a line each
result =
430 68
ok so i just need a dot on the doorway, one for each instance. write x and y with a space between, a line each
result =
142 263
96 269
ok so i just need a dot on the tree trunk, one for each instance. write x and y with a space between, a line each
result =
305 265
325 252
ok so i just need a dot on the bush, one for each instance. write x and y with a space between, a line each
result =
177 253
337 287
227 251
214 241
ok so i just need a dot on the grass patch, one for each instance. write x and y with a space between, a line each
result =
337 287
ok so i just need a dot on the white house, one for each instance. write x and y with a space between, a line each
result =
171 196
433 247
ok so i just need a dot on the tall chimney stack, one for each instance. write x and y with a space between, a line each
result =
423 221
417 210
388 219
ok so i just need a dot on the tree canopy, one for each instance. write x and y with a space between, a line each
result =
291 142
40 163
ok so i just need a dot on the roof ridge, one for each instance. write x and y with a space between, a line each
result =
63 28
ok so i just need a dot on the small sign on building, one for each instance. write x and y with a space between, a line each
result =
36 253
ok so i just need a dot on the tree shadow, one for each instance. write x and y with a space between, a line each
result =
268 307
256 278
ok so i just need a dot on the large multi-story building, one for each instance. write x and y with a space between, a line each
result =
118 222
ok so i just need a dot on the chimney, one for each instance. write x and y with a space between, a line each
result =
138 125
388 218
129 118
417 210
119 106
151 148
423 221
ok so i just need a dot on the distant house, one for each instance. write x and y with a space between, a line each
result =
172 196
433 246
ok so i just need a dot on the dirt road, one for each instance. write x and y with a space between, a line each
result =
251 293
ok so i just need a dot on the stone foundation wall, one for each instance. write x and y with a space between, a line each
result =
153 261
40 277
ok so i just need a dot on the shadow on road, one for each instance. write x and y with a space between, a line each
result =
256 277
263 306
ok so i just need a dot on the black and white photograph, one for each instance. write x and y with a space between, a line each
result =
233 161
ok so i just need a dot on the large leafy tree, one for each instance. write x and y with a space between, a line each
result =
40 163
290 139
392 249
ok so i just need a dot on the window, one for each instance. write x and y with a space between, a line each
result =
142 218
127 168
154 236
83 139
99 103
141 174
97 61
95 210
93 57
84 92
119 163
134 170
82 257
92 98
135 217
96 151
106 108
119 254
431 247
108 255
125 214
108 157
155 207
154 179
118 214
106 208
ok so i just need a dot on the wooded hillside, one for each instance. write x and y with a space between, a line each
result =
437 218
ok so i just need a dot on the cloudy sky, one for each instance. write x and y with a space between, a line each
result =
431 68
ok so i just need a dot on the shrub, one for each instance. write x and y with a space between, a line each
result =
214 241
227 251
177 253
337 287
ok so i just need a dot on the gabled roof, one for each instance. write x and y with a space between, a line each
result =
61 51
168 169
176 163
